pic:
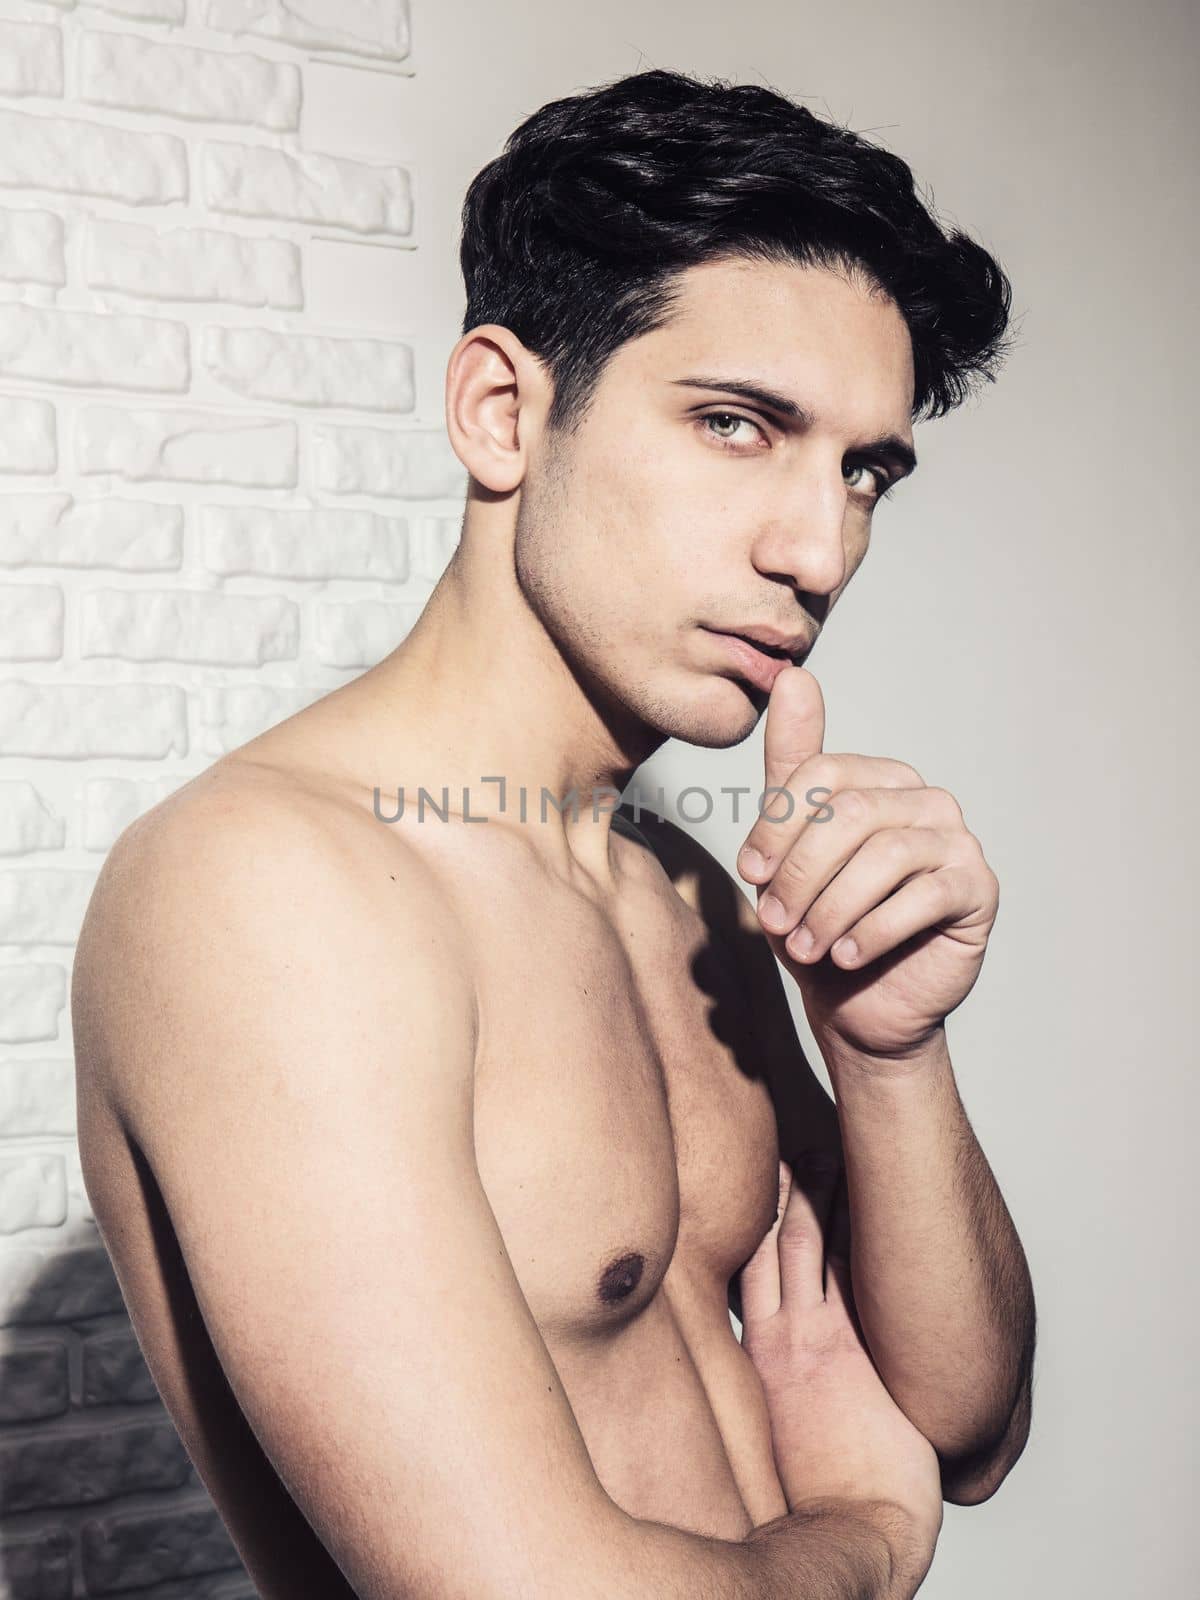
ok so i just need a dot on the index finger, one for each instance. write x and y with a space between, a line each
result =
795 727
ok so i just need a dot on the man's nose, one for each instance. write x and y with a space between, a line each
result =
804 541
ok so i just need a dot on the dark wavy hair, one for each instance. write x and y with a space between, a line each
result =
574 237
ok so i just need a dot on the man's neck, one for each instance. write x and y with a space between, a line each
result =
478 708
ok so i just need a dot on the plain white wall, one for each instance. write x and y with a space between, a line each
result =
1020 633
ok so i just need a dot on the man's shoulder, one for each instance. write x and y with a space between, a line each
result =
241 828
242 895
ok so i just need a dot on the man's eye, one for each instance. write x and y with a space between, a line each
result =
881 480
727 420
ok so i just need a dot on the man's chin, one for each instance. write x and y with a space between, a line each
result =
723 717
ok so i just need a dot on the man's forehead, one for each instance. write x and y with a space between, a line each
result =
800 331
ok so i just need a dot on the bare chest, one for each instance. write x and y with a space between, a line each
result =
623 1132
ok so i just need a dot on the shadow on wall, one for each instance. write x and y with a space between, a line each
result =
97 1494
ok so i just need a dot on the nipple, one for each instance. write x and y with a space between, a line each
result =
621 1277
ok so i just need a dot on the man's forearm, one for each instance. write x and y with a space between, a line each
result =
839 1551
940 1280
831 1550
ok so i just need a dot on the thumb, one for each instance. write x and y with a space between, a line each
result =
759 1283
795 727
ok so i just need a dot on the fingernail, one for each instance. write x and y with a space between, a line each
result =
750 862
772 912
801 941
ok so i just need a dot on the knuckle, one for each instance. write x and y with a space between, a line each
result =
947 886
824 770
851 805
791 875
892 844
945 805
903 774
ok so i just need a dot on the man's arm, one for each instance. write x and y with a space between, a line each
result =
295 1034
940 1280
946 1303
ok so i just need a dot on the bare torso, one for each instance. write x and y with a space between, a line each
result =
625 1142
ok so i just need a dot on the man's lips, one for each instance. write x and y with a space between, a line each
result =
760 663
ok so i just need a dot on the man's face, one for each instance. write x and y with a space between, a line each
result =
683 510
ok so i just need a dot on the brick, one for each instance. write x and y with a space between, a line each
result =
80 720
115 1371
193 264
141 10
43 905
361 632
28 436
305 544
26 821
31 248
32 995
53 530
304 369
252 181
74 157
437 540
414 465
33 1192
37 1097
186 625
110 805
31 59
132 1549
31 622
37 1566
34 1382
230 717
78 1467
137 74
82 348
187 447
361 27
39 1286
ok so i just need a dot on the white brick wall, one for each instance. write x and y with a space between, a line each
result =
213 509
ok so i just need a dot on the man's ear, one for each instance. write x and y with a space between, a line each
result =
497 398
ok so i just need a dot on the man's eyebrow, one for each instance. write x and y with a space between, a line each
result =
889 444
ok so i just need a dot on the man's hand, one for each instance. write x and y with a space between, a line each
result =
836 1431
882 878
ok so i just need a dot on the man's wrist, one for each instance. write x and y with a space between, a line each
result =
929 1057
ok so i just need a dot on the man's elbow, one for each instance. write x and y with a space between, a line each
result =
970 1479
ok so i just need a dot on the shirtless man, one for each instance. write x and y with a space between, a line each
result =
431 1152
